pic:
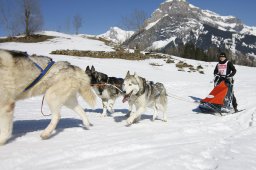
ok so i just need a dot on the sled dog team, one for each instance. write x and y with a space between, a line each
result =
24 76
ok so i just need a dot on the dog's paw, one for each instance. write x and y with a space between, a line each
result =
44 136
153 118
137 120
103 115
111 111
2 142
129 121
128 125
164 120
127 115
87 126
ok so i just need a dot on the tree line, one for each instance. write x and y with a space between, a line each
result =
190 51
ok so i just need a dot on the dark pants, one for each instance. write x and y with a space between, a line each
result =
229 83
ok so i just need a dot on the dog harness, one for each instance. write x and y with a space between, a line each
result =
41 75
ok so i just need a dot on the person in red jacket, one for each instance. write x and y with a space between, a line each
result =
225 70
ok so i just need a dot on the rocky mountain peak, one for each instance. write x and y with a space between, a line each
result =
177 23
170 7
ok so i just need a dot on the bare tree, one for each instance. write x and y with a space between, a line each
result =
77 22
135 21
22 17
32 18
68 25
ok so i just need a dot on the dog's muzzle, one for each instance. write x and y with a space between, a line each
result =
127 96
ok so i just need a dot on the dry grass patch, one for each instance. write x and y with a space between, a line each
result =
181 65
104 54
27 39
170 60
155 64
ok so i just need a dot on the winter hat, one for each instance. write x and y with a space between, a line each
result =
222 54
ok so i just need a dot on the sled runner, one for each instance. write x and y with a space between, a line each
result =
219 100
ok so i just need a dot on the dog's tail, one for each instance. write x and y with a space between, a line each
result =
163 96
85 89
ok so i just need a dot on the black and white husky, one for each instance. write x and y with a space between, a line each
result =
107 88
143 94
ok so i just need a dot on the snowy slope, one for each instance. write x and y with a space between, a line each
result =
188 141
62 41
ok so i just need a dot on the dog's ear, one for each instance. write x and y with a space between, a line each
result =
93 69
127 74
142 83
135 75
87 68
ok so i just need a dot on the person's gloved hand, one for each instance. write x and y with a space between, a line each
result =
216 77
229 78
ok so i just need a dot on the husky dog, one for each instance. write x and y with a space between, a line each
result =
107 88
143 94
60 86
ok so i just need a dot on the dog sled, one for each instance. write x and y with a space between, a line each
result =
219 100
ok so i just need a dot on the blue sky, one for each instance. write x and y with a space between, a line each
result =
99 15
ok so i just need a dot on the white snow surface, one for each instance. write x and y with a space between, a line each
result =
61 42
162 43
188 141
150 25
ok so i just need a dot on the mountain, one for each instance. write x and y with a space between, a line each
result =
116 35
180 28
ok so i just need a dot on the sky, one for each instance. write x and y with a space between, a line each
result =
99 15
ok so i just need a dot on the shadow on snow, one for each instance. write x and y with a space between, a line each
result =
22 127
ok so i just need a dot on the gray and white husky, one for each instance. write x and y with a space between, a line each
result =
143 94
107 88
60 86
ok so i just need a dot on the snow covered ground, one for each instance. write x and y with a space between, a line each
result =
188 141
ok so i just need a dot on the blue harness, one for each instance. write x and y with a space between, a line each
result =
41 75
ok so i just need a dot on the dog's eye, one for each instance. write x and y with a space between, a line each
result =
130 84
